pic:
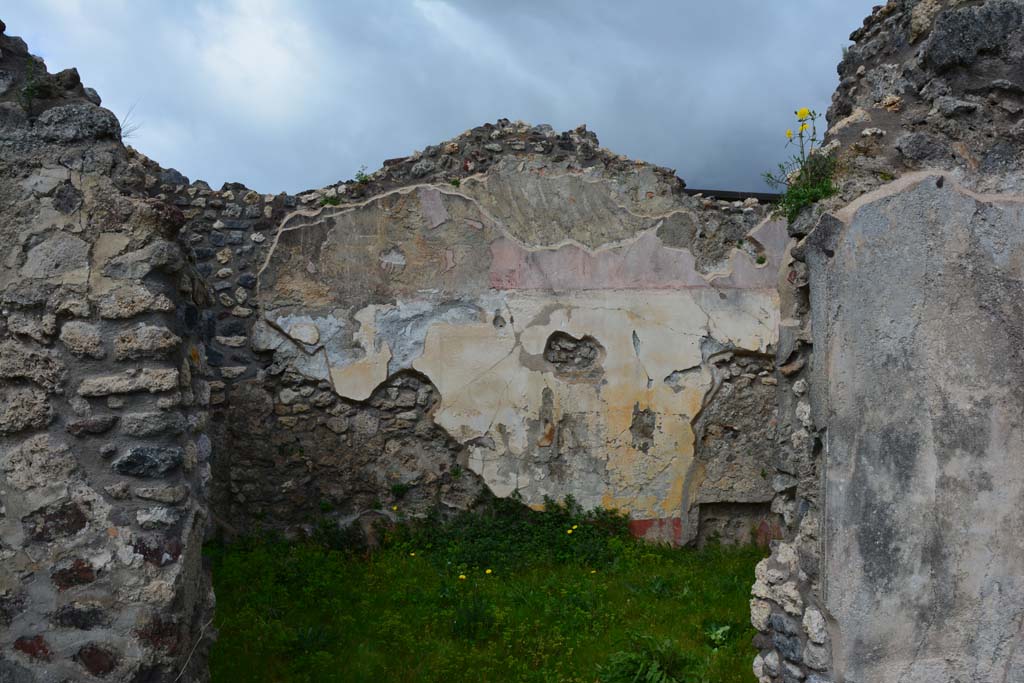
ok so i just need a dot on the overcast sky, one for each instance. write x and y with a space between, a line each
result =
296 94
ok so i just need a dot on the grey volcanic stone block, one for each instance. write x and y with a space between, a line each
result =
76 122
960 35
148 461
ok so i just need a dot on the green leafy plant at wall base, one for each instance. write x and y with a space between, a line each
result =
649 660
807 177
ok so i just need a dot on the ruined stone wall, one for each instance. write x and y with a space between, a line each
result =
512 311
519 312
104 462
905 559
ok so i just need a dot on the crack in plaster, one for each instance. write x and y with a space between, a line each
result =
612 245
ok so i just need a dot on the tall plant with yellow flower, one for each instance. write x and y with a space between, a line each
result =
807 176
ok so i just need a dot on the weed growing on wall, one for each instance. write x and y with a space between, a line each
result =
32 88
807 177
507 594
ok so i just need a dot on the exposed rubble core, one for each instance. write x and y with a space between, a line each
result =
573 357
310 454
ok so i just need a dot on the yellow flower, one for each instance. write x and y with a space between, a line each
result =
394 507
568 531
462 577
803 127
412 554
789 134
593 571
802 113
487 571
575 526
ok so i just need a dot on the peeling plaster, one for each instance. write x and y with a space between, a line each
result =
478 279
358 379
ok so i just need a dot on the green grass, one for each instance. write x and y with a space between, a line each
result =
593 605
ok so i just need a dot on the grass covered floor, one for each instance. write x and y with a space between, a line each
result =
508 595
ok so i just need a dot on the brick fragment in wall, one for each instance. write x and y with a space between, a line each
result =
76 572
98 659
55 522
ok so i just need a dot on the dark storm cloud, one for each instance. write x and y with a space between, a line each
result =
293 95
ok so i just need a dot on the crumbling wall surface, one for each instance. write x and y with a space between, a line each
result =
103 457
913 569
516 310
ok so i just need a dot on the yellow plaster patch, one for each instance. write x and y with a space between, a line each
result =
492 381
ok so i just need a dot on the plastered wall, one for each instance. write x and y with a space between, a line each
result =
559 313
